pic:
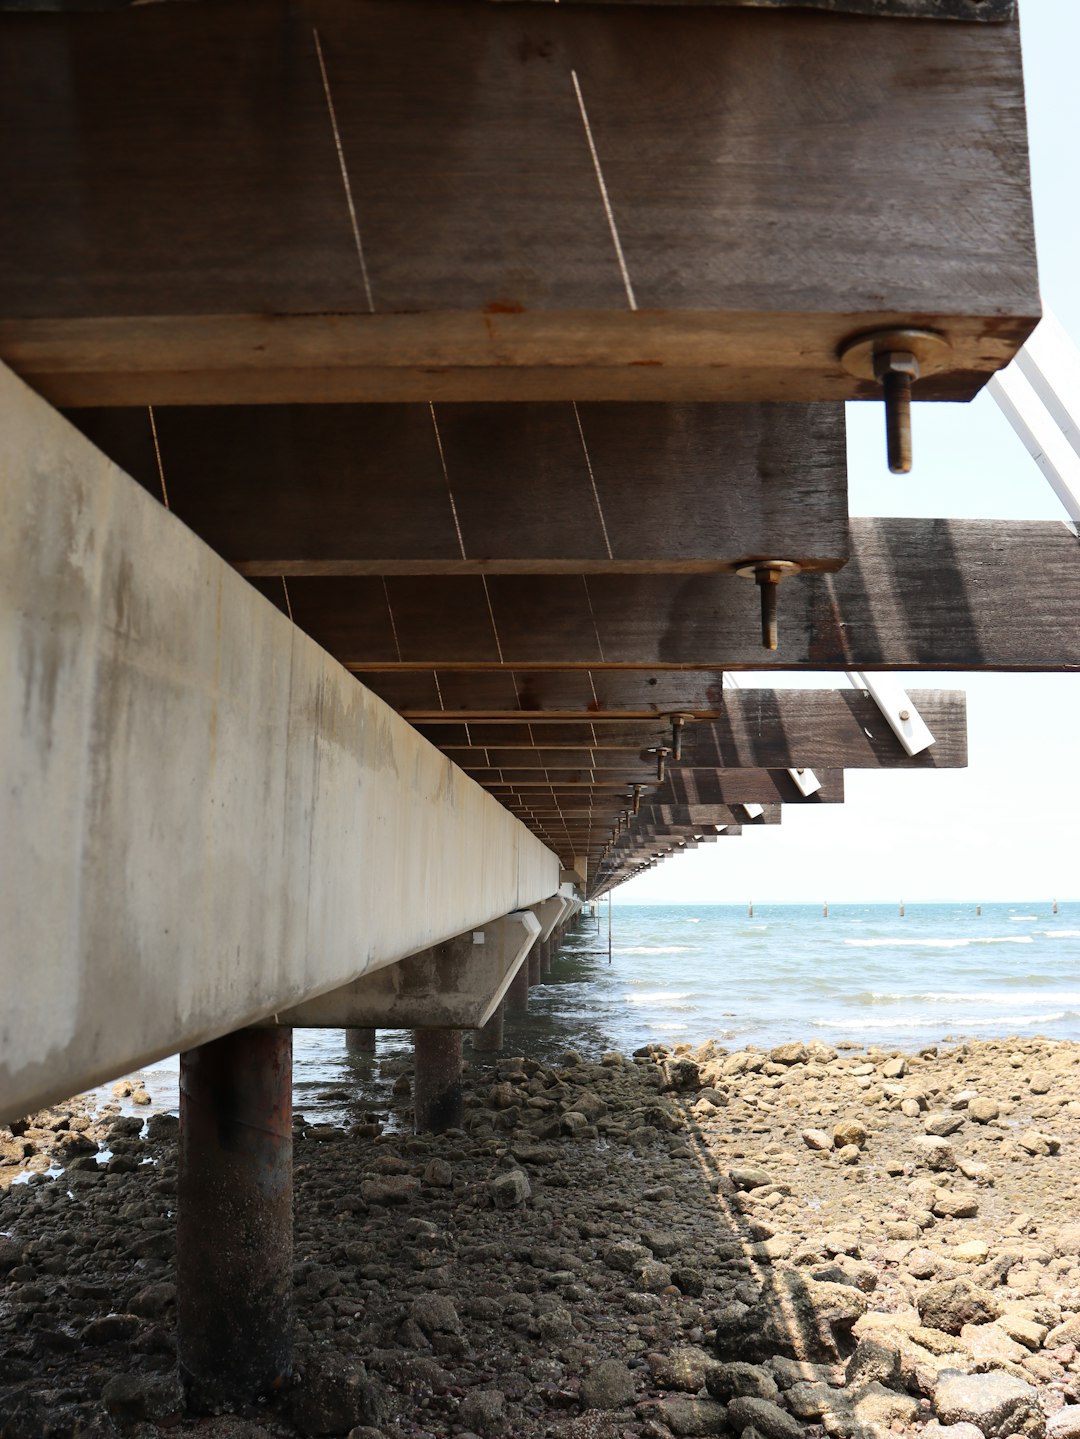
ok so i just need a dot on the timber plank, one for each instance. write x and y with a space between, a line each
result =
339 490
916 594
754 191
757 729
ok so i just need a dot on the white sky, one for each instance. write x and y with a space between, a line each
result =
1008 826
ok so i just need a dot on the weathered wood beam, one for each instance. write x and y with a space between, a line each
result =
757 729
916 594
351 490
416 243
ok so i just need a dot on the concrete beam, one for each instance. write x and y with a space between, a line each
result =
449 986
206 819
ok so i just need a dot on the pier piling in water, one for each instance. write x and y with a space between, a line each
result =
535 962
489 1039
547 950
360 1041
437 1097
517 996
234 1220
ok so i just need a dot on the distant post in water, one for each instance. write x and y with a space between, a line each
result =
360 1041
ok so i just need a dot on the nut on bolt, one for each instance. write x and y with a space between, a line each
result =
677 723
896 359
767 575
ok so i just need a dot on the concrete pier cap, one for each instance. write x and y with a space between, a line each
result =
456 985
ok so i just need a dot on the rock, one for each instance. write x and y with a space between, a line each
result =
590 1105
681 1074
818 1139
734 1381
942 1122
991 1347
1065 1424
337 1394
875 1361
750 1178
389 1189
435 1314
129 1397
153 1301
878 1408
574 1123
686 1368
955 1204
765 1416
482 1410
661 1241
793 1053
652 1276
796 1316
1041 1082
995 1403
951 1304
974 1251
848 1154
983 1109
692 1418
439 1174
936 1430
510 1190
933 1151
110 1328
1025 1331
812 1400
1037 1143
894 1068
626 1256
610 1385
849 1131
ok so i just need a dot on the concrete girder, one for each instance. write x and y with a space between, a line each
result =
205 818
449 986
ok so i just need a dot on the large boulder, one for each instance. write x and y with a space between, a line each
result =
950 1305
996 1403
795 1316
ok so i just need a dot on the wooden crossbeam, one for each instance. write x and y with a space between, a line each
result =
757 729
318 201
916 594
354 490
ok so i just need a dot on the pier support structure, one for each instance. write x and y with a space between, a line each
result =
234 1219
437 1096
488 1039
360 1041
517 996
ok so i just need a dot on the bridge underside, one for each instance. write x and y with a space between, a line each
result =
435 380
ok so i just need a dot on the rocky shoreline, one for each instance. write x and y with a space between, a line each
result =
805 1241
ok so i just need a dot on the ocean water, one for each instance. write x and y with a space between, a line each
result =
679 973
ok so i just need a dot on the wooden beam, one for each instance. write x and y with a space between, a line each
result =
176 229
757 729
916 594
352 490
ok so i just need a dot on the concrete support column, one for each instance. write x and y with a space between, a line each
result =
437 1100
360 1041
547 946
489 1040
517 996
234 1220
535 961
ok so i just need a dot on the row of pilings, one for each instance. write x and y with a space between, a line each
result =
234 1267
